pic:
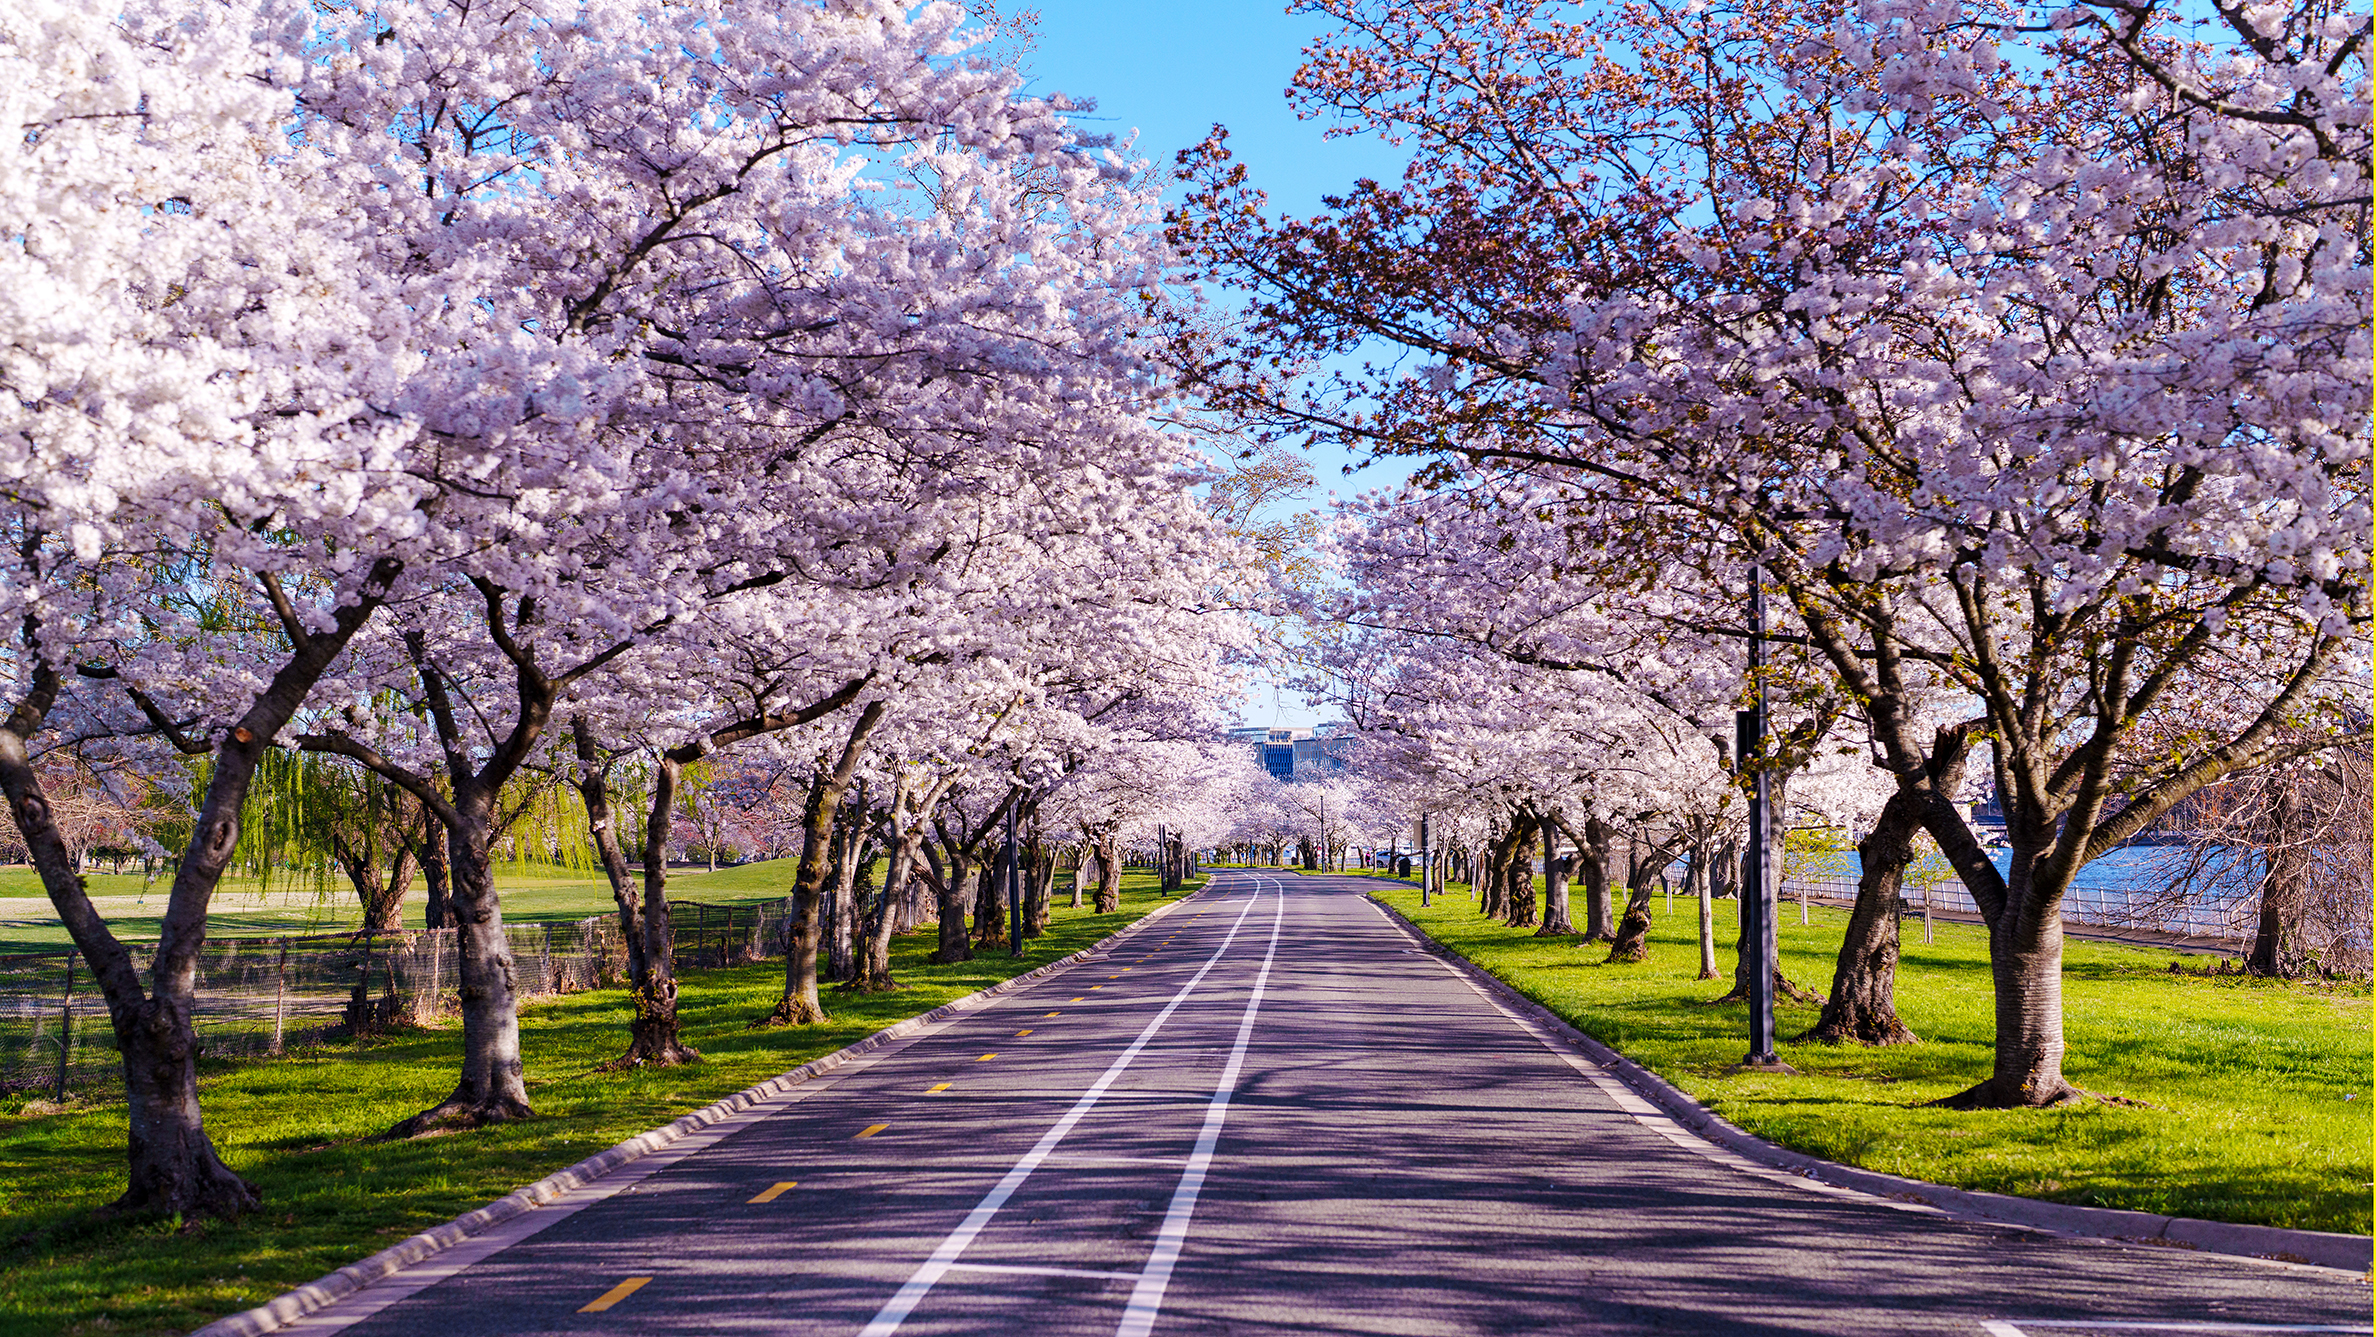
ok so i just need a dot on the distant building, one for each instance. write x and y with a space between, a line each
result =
1287 753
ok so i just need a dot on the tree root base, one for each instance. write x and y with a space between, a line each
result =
218 1195
1998 1095
1870 1031
456 1116
792 1012
1784 992
674 1055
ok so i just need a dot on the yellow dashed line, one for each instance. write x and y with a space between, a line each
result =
1095 987
871 1129
937 1086
615 1294
777 1191
985 1058
1021 1033
1058 1014
1081 1000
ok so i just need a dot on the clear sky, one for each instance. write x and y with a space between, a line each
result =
1170 72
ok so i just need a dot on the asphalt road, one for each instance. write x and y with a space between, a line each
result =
1267 1113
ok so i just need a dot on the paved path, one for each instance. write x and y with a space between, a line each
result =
1267 1113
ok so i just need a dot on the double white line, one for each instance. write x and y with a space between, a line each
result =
1146 1298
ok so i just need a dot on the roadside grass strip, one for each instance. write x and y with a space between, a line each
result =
2256 1093
300 1128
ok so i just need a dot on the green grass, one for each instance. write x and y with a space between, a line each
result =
529 895
299 1127
2257 1093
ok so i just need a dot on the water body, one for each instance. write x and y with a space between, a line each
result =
2125 888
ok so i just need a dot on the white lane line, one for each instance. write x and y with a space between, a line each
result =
1146 1298
895 1310
1018 1271
1997 1327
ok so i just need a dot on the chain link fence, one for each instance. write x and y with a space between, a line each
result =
259 997
2105 907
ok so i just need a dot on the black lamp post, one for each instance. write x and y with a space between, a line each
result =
1426 862
1760 948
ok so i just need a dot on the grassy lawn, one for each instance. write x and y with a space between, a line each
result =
299 1127
530 895
2257 1092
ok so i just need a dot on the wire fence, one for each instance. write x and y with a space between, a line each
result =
2229 920
264 996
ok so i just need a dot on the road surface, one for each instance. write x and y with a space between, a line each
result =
1267 1113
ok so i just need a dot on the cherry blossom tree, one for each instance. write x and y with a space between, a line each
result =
2036 375
206 495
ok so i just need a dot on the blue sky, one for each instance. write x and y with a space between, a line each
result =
1169 72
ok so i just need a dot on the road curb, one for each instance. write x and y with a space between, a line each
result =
2348 1253
323 1291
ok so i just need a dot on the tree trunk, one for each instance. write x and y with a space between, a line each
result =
1863 1003
1633 930
1521 909
989 904
654 1038
873 974
1109 874
955 943
363 873
801 1004
491 1088
841 902
1081 873
1556 921
2025 965
1598 926
172 1166
1039 879
382 898
438 912
2276 941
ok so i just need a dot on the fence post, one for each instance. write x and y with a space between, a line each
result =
280 995
65 1030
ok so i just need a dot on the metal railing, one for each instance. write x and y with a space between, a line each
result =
262 996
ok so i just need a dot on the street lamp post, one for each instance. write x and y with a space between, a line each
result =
1757 881
1426 863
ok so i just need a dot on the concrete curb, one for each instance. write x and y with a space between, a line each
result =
324 1291
2348 1253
